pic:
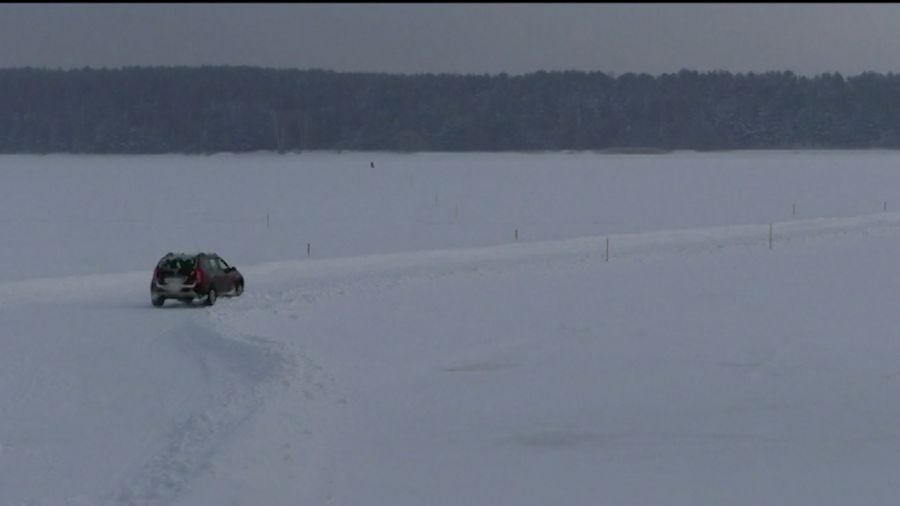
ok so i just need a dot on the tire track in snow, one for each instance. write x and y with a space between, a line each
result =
236 373
304 388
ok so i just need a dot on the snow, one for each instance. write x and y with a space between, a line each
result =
421 355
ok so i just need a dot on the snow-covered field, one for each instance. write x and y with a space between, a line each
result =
421 355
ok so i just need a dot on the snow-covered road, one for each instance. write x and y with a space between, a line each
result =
696 366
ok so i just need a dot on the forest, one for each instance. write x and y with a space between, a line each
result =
145 110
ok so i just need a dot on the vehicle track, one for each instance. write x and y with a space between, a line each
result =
236 373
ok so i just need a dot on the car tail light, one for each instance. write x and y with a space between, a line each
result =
199 274
156 276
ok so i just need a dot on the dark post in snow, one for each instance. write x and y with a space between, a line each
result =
517 234
770 236
372 165
885 205
607 249
307 249
267 221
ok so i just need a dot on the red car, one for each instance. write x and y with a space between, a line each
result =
186 277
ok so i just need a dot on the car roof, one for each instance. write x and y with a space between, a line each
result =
189 255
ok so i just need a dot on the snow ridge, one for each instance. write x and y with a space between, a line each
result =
505 255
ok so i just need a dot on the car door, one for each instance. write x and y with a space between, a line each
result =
226 280
213 273
230 273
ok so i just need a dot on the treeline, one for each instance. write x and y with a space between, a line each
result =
237 109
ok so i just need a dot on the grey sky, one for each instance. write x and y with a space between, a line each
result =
458 38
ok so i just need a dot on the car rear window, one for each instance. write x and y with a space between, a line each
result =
180 265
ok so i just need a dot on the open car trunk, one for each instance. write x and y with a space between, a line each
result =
176 269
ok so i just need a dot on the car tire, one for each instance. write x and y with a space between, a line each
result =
239 289
211 296
157 301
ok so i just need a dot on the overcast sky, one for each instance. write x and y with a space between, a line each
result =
458 38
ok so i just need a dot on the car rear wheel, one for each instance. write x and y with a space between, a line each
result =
211 297
157 301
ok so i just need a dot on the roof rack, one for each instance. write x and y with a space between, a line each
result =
183 254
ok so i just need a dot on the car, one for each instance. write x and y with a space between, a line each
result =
186 277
